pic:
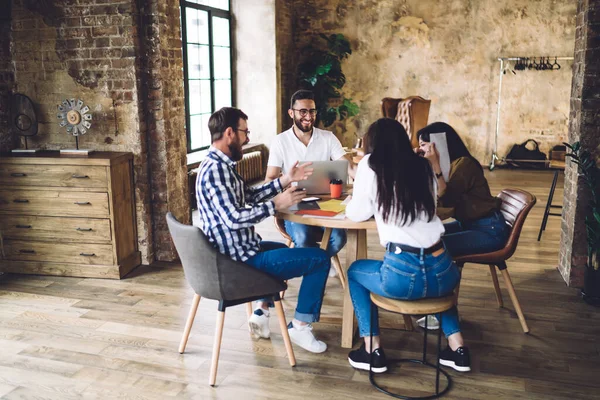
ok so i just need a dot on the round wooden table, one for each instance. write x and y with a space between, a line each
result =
356 249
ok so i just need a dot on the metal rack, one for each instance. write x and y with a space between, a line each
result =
502 62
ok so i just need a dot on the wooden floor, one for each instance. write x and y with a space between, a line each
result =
66 338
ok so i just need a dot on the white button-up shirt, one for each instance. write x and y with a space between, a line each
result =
286 149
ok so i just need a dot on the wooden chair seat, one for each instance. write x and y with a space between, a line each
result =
426 306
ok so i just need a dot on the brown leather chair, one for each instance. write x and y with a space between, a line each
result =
335 261
516 204
412 112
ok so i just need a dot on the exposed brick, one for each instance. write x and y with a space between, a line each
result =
584 126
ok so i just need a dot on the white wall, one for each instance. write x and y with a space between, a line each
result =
255 66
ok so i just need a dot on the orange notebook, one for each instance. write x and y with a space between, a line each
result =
320 213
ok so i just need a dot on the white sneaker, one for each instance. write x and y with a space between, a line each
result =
259 324
302 336
432 323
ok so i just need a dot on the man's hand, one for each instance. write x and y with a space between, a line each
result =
288 198
296 173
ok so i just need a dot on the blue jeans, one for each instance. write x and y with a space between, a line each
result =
308 236
483 235
404 276
284 263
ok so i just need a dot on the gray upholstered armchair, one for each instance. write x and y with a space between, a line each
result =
215 276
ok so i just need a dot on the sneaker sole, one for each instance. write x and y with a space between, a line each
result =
429 327
453 365
256 331
365 366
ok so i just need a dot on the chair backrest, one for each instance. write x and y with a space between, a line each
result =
515 207
213 275
412 112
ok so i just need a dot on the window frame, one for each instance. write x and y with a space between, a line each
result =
212 12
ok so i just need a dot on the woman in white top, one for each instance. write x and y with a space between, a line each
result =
398 187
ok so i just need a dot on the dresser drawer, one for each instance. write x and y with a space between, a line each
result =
59 229
77 253
53 176
55 203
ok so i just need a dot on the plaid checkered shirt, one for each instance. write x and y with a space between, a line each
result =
229 208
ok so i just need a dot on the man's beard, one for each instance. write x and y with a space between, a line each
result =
236 150
298 123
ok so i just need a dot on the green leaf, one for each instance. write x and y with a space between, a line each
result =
323 69
352 107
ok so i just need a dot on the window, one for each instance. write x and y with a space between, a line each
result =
206 38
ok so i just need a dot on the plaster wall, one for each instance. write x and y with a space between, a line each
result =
447 52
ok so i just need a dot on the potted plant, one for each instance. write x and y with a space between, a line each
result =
321 72
591 176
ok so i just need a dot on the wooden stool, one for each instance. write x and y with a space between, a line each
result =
426 307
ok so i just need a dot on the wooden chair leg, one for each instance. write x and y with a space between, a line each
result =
282 293
335 260
515 301
408 325
284 333
249 312
216 348
457 289
289 244
496 285
189 323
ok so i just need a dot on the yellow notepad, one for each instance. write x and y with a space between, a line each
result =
332 205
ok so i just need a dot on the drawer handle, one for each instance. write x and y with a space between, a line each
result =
80 176
21 201
18 174
27 251
84 229
23 226
83 203
87 254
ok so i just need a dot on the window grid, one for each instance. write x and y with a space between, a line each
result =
220 87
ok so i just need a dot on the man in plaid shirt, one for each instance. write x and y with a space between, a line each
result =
229 209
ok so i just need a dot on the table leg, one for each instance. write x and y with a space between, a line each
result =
325 239
356 248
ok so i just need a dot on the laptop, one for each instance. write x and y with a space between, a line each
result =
323 172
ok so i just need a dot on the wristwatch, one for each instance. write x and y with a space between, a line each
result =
439 175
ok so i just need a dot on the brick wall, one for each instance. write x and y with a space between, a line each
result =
113 55
162 63
7 76
584 126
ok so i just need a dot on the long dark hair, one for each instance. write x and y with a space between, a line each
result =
404 180
456 147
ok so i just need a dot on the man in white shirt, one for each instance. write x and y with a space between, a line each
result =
304 142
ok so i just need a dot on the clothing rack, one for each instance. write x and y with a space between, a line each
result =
502 62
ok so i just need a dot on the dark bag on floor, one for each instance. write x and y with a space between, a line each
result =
520 156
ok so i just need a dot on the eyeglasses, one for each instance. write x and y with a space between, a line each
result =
246 131
304 112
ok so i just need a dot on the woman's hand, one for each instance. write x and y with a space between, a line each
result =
432 155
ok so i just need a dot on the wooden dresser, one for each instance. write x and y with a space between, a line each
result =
68 215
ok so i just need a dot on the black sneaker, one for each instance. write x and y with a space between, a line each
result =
360 359
460 359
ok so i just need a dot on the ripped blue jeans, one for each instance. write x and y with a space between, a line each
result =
404 276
